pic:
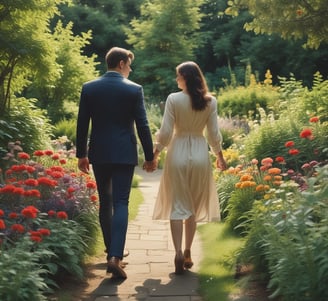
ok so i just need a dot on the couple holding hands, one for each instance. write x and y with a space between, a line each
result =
115 107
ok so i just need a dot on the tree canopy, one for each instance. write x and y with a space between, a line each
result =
165 35
296 19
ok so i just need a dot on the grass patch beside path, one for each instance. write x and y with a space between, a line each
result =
216 273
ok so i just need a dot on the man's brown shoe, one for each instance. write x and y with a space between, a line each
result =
114 266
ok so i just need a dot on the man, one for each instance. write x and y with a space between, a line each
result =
115 107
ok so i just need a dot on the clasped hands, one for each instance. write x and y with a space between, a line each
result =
150 166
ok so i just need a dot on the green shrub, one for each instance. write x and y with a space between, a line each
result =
66 128
244 101
21 275
288 239
27 124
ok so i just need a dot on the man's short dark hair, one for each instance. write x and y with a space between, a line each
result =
117 54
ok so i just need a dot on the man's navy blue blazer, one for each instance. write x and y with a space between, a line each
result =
115 107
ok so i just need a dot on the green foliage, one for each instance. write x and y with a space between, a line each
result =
67 242
291 20
66 127
225 187
161 41
268 139
26 124
245 101
26 49
73 68
21 275
288 232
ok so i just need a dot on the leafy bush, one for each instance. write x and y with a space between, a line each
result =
244 101
66 128
288 232
21 276
269 140
27 124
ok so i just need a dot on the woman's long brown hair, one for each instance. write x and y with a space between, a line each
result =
196 84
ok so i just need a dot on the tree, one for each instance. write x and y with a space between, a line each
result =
74 69
296 19
106 19
165 35
24 44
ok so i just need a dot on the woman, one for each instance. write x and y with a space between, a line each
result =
187 192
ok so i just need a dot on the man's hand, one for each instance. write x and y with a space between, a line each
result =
83 165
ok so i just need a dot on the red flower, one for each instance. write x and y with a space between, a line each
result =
23 156
51 213
30 169
289 144
18 228
280 160
2 224
93 198
314 119
47 182
55 157
19 191
31 182
91 185
44 232
293 151
62 215
35 233
48 152
2 213
306 133
30 212
70 190
33 193
13 215
38 153
36 238
62 161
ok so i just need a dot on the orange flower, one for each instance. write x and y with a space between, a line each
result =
274 171
246 177
278 178
267 161
267 178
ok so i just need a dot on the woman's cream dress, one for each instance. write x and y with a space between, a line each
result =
187 186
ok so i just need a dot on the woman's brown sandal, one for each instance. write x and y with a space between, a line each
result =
179 262
187 260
